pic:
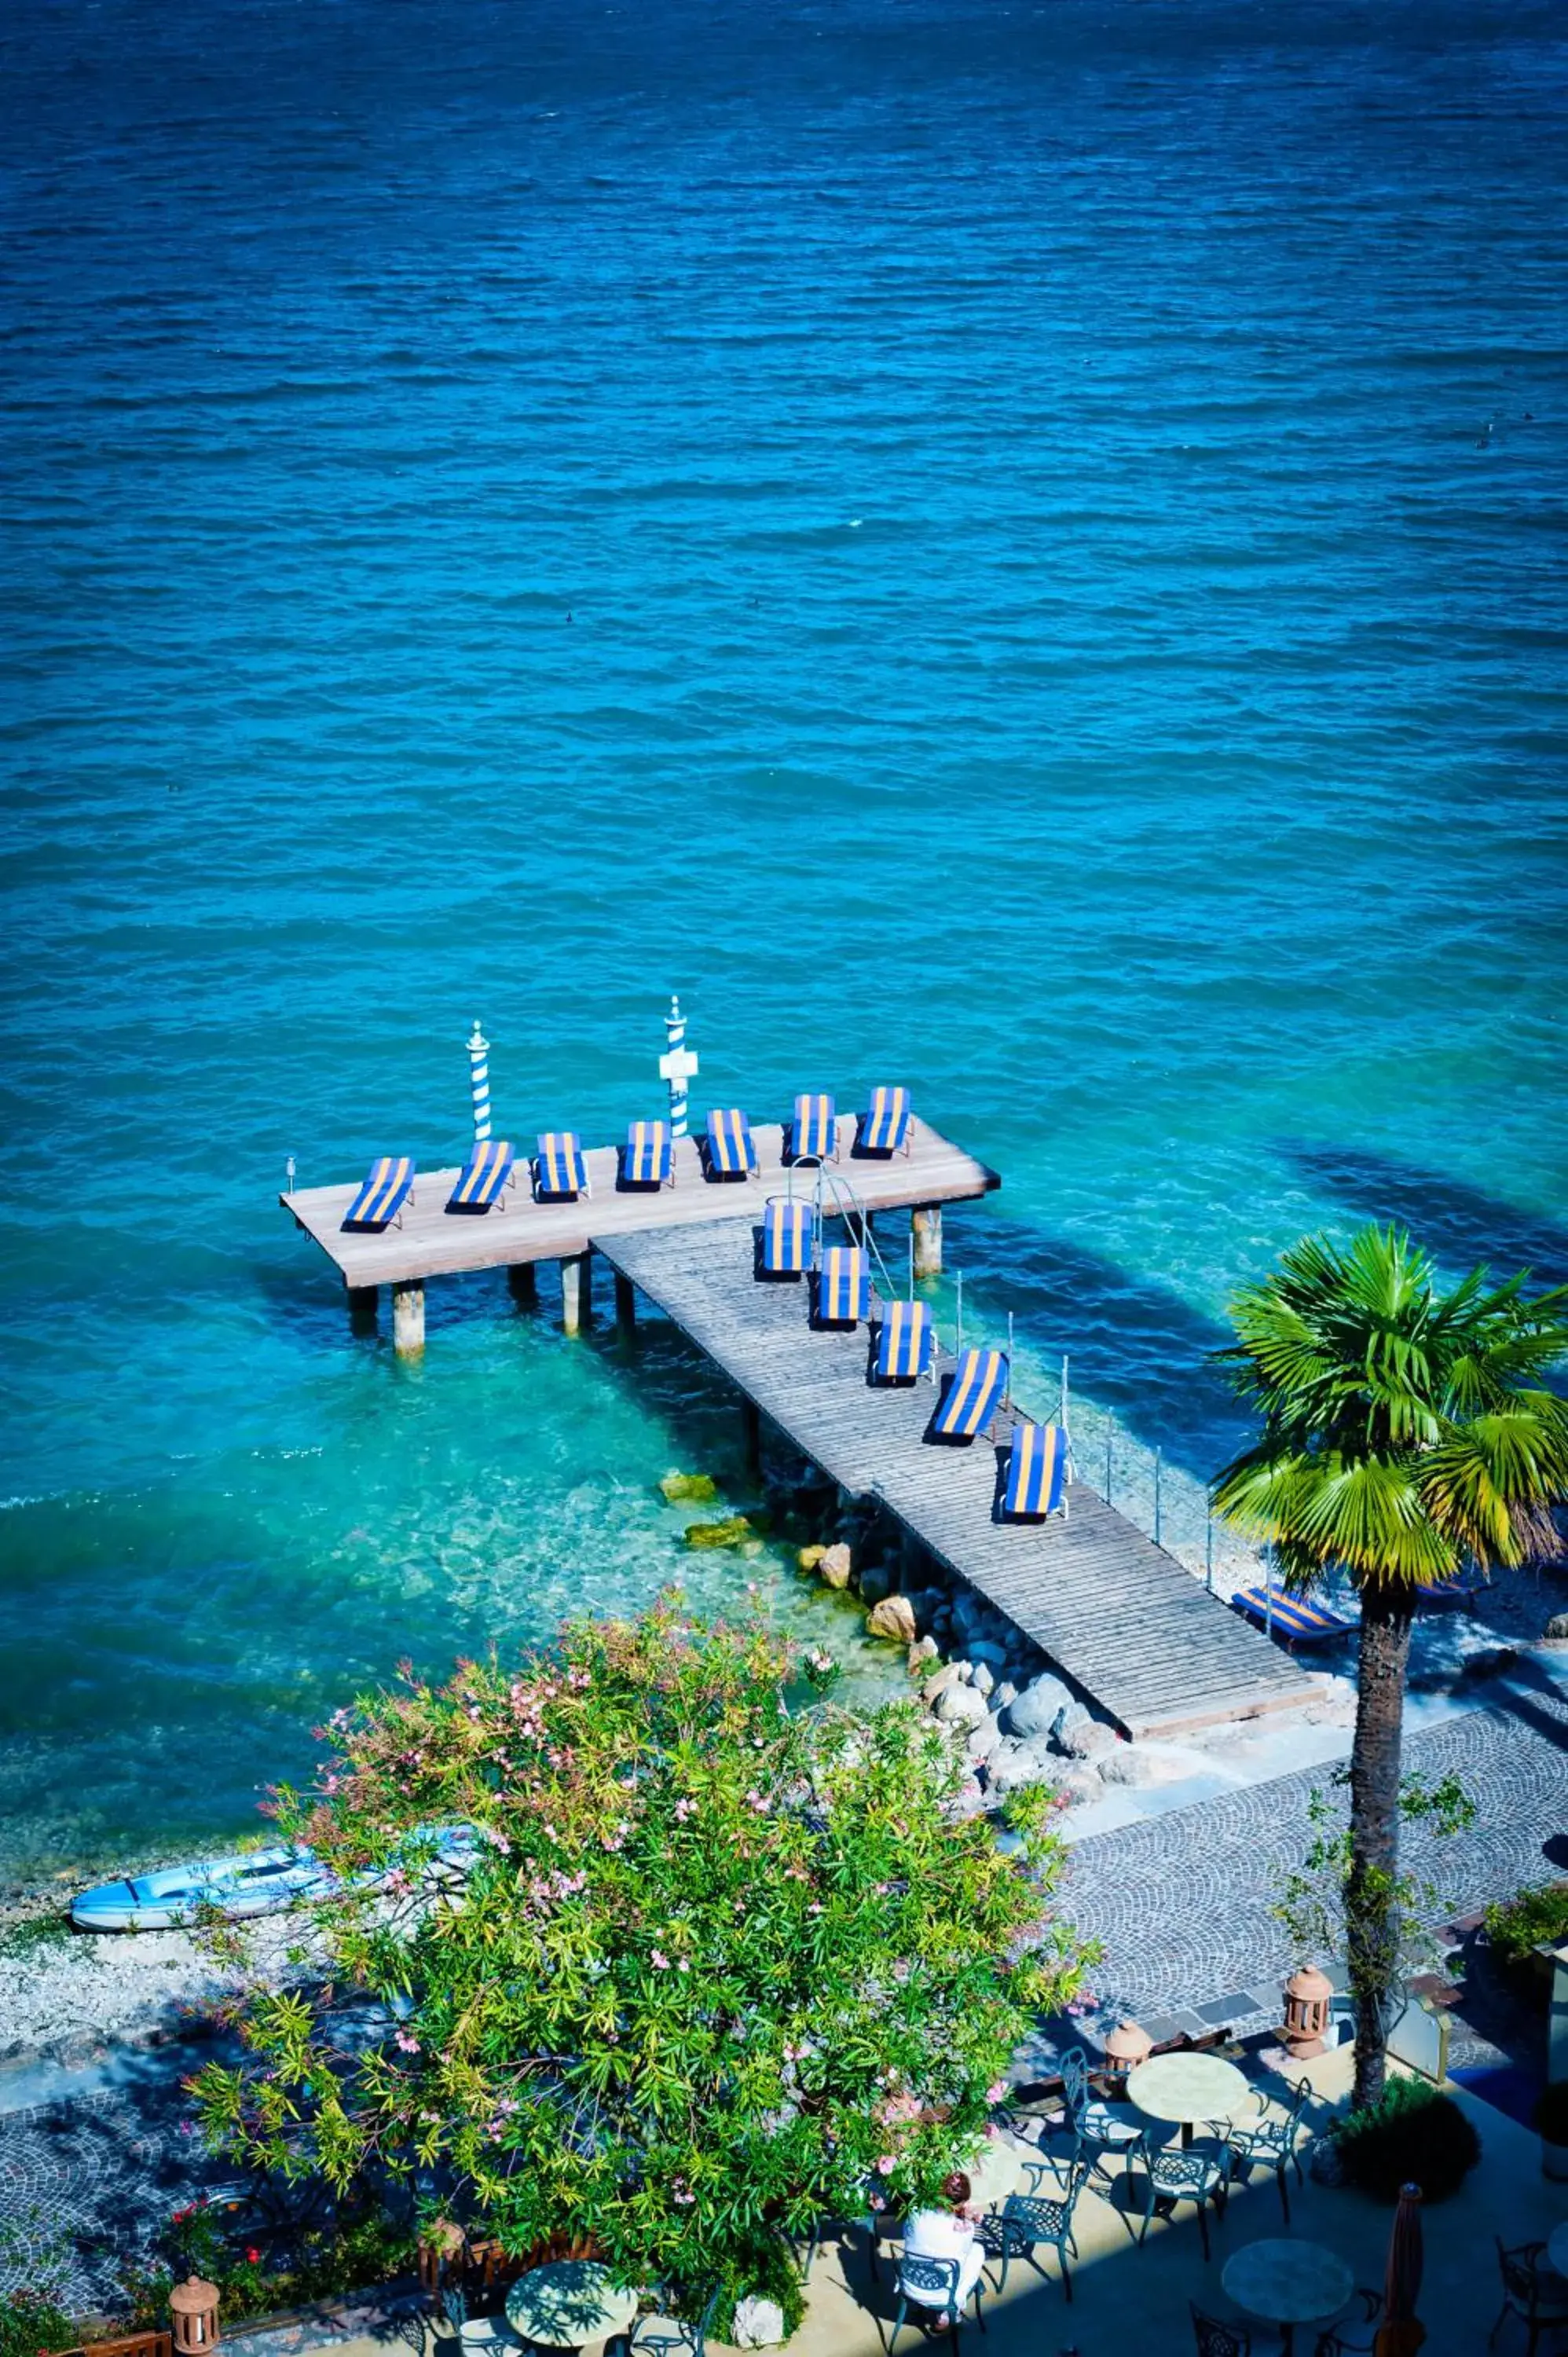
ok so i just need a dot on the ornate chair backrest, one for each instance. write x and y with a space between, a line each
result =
1521 2274
1217 2340
1040 2217
922 2276
1300 2095
1176 2170
1075 2078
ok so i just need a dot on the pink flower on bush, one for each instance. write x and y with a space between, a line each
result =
887 2163
877 2201
409 2044
660 1960
997 2089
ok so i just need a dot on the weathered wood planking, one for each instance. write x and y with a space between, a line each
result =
1120 1616
434 1242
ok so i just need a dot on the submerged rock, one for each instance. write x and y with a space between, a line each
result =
730 1533
834 1565
893 1618
689 1489
809 1557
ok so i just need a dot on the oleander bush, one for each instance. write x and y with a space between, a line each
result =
1413 2134
254 2279
31 2321
1516 1926
728 1954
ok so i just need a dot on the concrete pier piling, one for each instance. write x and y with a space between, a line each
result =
408 1319
626 1304
576 1293
925 1223
364 1300
523 1284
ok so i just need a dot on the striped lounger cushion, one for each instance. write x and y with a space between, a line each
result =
973 1396
559 1168
786 1238
486 1172
904 1343
650 1158
730 1153
885 1125
383 1194
844 1287
1295 1619
1037 1472
813 1132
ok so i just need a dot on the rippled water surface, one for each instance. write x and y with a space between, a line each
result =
1016 550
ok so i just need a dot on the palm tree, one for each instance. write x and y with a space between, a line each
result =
1405 1432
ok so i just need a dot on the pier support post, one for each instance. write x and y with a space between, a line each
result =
751 1431
408 1319
523 1284
625 1303
363 1300
926 1221
576 1293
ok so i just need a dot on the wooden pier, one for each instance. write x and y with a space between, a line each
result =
1117 1615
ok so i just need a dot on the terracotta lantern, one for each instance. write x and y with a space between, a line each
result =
1126 2047
1309 1995
193 2313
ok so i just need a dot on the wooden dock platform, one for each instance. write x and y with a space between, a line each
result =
433 1241
1117 1614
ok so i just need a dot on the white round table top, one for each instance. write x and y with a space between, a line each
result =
1187 2087
1557 2248
999 2171
1288 2282
568 2304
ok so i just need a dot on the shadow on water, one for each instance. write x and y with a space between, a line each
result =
1461 1225
1135 1347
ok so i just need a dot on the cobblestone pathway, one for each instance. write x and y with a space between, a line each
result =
1180 1902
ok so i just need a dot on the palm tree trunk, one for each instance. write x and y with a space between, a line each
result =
1372 1915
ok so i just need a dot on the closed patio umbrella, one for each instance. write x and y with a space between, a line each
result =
1401 2333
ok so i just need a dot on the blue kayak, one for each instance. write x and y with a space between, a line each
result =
253 1882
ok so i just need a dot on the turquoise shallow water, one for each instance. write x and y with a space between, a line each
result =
1019 551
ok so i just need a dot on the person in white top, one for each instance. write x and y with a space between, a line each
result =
947 2234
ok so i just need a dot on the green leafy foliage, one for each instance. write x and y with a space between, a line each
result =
1516 1926
32 2322
1412 2135
1405 1428
251 2283
1313 1900
723 1966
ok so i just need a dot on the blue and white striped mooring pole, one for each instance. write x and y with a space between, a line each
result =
677 1065
479 1080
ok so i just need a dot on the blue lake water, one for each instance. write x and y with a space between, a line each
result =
1016 550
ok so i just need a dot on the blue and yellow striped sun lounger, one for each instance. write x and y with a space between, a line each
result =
647 1159
731 1153
973 1396
1036 1473
844 1287
482 1176
558 1170
786 1249
885 1123
903 1344
813 1132
1295 1619
388 1187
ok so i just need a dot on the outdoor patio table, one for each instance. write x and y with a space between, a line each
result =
1288 2282
1557 2249
1187 2087
999 2171
568 2304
